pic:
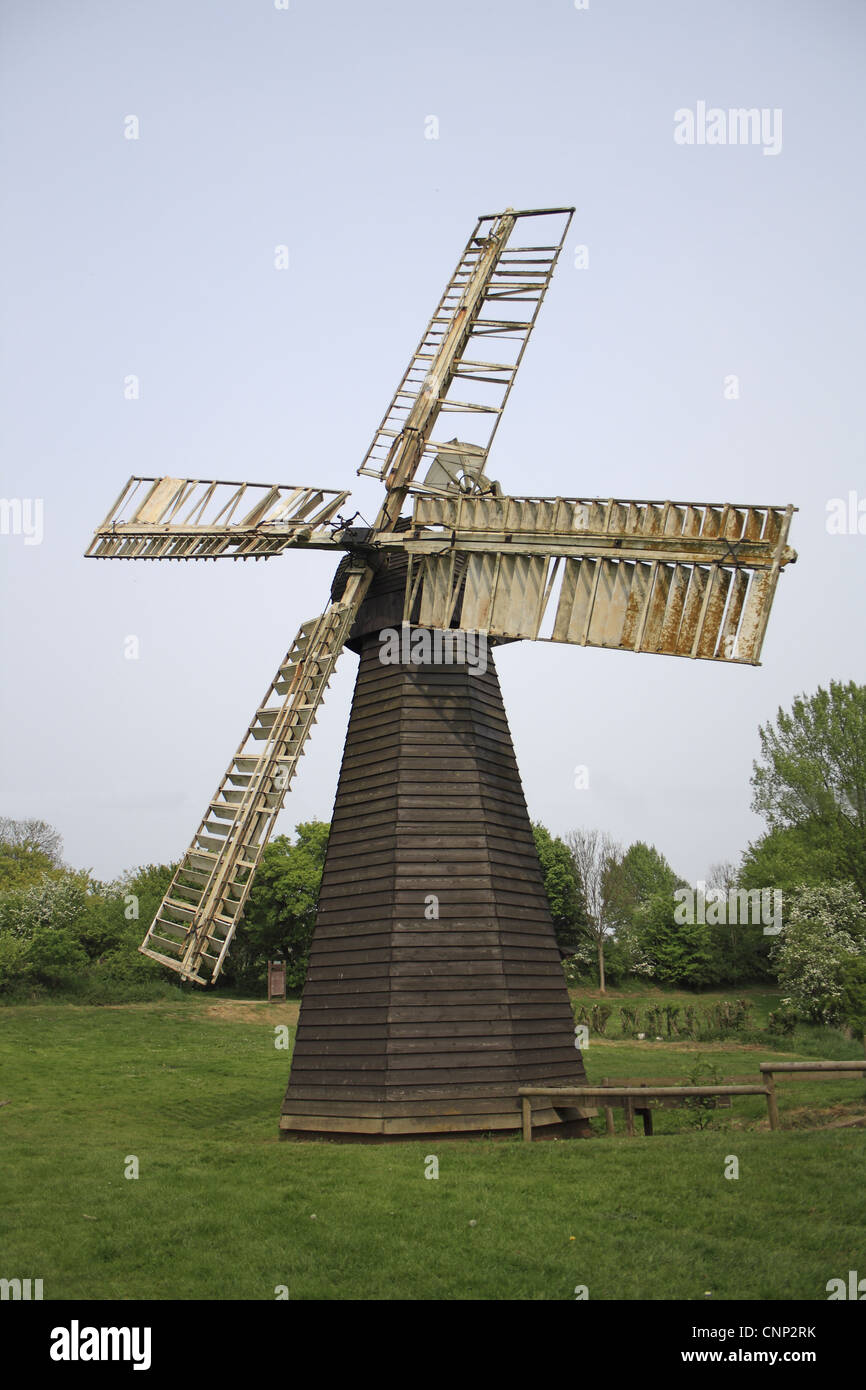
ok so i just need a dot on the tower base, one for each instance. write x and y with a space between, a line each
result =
435 987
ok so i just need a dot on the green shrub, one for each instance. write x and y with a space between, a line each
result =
699 1109
600 1015
783 1020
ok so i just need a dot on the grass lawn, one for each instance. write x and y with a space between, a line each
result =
223 1210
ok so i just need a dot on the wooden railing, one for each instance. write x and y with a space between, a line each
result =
629 1097
805 1071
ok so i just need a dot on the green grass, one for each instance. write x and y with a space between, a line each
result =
223 1210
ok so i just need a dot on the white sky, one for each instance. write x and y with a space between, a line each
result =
306 127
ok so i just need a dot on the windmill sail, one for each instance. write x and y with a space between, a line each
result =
502 321
197 918
194 519
679 579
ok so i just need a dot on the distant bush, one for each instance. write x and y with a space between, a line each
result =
721 1019
67 934
783 1020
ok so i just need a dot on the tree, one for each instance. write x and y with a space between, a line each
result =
824 927
281 912
791 856
595 855
21 868
143 889
724 875
812 768
116 918
676 953
563 889
740 947
853 998
632 879
34 836
635 877
29 849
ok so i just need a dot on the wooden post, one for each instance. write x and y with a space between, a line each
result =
628 1106
647 1121
527 1118
772 1106
608 1111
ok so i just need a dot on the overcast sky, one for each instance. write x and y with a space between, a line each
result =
260 126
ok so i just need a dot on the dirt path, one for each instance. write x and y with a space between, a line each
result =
252 1011
224 1010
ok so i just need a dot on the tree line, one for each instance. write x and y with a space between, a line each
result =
617 911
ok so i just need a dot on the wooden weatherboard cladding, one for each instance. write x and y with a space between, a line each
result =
410 1024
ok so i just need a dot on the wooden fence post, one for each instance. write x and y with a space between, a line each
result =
772 1105
608 1110
629 1116
527 1117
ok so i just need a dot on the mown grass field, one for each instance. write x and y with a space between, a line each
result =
223 1210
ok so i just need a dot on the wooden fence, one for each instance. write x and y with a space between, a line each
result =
805 1071
629 1097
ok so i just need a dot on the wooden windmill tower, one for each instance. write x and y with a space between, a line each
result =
435 988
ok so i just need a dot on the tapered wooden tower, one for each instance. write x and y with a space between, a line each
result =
435 985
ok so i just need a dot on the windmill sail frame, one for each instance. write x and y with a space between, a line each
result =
670 578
